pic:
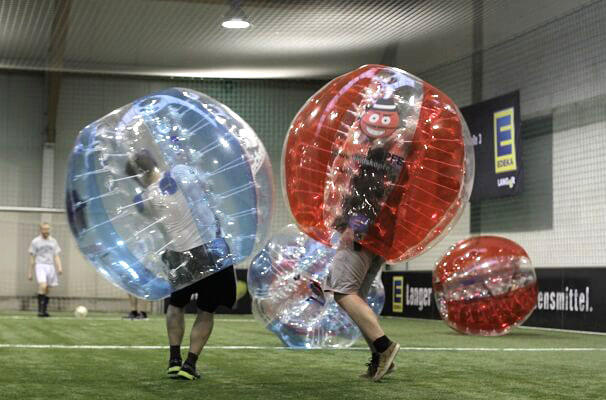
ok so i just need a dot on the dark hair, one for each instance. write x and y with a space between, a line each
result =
140 161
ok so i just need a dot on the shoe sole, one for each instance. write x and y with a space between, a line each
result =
391 369
173 371
186 375
392 357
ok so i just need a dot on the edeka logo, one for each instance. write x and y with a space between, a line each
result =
504 141
398 294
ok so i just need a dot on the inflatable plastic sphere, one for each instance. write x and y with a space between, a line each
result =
286 282
485 286
382 155
167 190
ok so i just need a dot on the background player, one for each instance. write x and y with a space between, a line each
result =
44 260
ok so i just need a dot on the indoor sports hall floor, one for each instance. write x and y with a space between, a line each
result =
106 357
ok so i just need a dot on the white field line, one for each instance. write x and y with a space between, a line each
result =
447 349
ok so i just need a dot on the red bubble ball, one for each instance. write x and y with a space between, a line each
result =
381 157
485 285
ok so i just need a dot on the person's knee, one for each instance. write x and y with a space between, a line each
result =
206 315
174 311
42 288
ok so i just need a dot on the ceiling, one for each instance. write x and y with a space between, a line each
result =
288 39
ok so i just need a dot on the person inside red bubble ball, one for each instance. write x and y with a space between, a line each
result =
376 159
354 268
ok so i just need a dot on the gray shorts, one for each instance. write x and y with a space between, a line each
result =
353 272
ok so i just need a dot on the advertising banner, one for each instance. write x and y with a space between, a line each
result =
568 298
495 130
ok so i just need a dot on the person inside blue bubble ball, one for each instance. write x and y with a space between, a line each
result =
190 252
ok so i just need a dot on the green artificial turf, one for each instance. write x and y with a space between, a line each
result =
435 363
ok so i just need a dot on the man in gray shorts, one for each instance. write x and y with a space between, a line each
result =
350 277
354 269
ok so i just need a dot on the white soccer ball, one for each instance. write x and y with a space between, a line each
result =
80 312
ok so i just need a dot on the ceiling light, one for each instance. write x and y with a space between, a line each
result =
235 18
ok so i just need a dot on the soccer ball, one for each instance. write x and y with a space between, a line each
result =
80 312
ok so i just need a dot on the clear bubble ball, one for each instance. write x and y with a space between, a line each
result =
167 190
286 281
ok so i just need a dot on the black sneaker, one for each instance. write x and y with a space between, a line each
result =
141 315
174 366
188 372
131 315
45 314
40 314
371 365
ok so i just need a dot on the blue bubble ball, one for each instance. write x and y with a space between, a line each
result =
167 190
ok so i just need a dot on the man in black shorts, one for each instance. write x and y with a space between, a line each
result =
192 252
213 291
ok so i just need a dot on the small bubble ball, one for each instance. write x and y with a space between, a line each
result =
485 286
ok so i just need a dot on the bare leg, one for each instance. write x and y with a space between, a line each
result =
200 331
175 325
43 288
362 315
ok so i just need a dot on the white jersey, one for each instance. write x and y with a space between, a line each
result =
44 250
170 205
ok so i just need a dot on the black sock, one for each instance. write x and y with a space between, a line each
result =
192 359
44 303
175 352
382 343
40 302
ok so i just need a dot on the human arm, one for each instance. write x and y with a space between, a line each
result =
58 264
32 262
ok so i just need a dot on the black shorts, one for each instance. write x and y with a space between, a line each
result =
192 265
218 289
